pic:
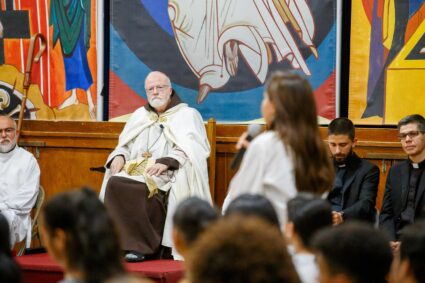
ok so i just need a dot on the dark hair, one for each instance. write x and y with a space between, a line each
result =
309 214
241 249
295 122
413 248
92 245
4 235
416 119
355 249
192 217
342 126
254 205
9 269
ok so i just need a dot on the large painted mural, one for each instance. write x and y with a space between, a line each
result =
64 81
218 54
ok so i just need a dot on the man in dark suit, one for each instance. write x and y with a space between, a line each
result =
404 191
353 195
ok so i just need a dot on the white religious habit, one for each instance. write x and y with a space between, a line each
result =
19 186
266 169
178 133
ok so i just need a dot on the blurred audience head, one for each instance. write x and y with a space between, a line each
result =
241 249
191 218
128 278
81 236
409 263
307 214
286 96
352 252
9 269
4 236
254 205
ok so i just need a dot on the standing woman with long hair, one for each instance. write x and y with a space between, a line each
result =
290 157
80 236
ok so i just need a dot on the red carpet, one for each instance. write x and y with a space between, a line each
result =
40 268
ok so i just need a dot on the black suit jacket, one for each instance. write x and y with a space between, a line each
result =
360 189
395 197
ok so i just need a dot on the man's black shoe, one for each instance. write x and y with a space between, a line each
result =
133 256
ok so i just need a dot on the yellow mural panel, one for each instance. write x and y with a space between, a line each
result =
405 84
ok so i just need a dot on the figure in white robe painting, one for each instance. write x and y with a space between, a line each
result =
212 34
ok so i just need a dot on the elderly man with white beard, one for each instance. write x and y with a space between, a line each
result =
19 182
160 160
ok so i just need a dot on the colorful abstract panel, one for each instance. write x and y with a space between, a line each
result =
387 60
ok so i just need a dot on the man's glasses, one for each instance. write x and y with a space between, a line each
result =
159 88
411 135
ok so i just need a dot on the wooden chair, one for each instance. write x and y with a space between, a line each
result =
211 135
34 222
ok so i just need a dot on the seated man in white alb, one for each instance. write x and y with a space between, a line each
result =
161 159
19 182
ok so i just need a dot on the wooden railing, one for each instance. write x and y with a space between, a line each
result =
67 150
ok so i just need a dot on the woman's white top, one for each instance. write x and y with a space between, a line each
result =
266 169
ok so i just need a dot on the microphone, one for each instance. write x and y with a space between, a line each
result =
253 131
161 126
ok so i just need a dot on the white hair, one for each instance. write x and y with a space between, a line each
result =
158 73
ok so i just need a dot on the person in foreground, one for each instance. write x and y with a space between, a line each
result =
19 182
290 157
9 269
254 205
307 214
404 191
80 235
160 159
192 217
353 195
409 264
353 252
240 249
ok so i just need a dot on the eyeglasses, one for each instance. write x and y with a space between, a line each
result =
411 135
7 131
159 88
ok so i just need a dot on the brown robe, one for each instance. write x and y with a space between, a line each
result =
140 220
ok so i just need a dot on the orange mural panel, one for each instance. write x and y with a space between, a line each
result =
57 77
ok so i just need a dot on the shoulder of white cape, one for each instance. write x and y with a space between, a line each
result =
179 114
181 111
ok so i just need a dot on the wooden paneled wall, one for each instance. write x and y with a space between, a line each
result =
66 152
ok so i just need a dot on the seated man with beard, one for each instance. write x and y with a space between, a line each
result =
160 160
353 195
19 182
